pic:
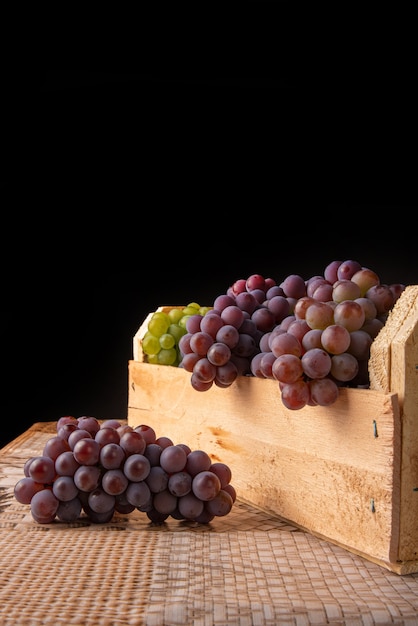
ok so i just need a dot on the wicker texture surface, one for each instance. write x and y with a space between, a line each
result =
248 568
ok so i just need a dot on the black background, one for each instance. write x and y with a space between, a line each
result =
137 190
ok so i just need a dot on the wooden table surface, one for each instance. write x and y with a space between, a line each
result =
247 568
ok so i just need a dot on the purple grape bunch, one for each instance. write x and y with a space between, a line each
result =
95 469
310 336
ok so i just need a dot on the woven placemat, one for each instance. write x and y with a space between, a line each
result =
246 569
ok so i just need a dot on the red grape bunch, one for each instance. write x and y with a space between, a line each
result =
311 336
95 469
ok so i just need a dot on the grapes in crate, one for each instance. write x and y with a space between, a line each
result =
310 336
96 469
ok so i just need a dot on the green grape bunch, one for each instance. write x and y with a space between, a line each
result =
160 344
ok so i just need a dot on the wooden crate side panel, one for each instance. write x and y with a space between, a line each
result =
323 469
393 366
404 371
405 312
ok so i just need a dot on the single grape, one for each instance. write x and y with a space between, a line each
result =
246 302
138 493
193 323
159 323
220 505
89 423
200 385
188 361
279 306
211 323
112 456
228 335
86 451
255 365
316 363
319 315
294 286
238 286
264 319
285 343
42 469
266 365
167 356
164 442
200 343
312 339
87 477
344 367
223 472
65 430
255 281
150 344
206 485
100 501
349 314
301 307
197 461
79 433
323 292
323 391
184 343
227 374
157 479
180 483
299 328
219 353
331 271
360 343
107 435
365 278
133 442
25 489
164 502
231 490
287 368
222 301
232 315
153 452
368 306
246 346
147 432
69 511
173 459
122 505
335 339
204 370
295 395
345 290
190 506
382 297
114 482
347 269
66 419
64 488
43 506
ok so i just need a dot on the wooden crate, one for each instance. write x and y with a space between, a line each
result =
347 473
